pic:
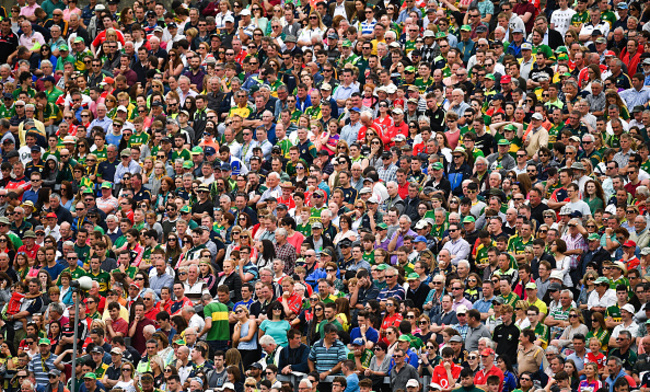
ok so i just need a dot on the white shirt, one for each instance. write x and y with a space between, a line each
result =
609 299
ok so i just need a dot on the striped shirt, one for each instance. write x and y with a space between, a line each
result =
325 359
40 367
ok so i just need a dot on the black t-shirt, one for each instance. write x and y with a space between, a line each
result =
205 207
485 143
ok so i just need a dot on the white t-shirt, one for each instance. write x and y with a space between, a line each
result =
561 20
580 206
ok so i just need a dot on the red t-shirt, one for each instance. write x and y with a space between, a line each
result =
481 377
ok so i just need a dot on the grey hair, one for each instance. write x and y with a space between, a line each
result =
267 339
464 262
407 218
189 309
425 119
567 292
643 190
305 382
616 360
56 307
481 160
391 270
48 62
489 343
281 232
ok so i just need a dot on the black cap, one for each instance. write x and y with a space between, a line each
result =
345 243
386 155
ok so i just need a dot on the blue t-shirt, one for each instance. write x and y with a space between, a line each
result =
353 383
54 271
371 334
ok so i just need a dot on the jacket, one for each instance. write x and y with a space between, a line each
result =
297 358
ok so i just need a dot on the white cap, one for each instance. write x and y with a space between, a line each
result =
461 309
245 12
122 108
391 89
422 224
413 383
373 199
229 18
629 308
227 385
557 275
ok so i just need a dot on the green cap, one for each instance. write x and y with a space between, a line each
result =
87 191
563 56
465 28
567 74
490 76
410 68
188 165
64 48
180 342
413 276
510 127
185 209
602 280
561 49
90 375
382 226
381 267
404 338
347 44
45 341
78 39
593 237
441 35
197 150
503 142
437 166
106 185
647 322
468 219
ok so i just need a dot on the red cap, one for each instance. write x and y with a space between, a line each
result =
51 215
506 79
629 244
135 284
109 80
488 351
610 53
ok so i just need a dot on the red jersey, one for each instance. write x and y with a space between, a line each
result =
440 374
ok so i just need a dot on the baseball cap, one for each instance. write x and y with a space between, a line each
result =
629 244
602 280
412 383
593 237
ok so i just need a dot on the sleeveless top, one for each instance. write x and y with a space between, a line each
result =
252 344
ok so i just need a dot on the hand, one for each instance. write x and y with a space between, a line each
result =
323 375
446 365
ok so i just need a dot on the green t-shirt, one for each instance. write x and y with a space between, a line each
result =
218 313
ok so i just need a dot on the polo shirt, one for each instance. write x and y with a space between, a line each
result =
324 358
